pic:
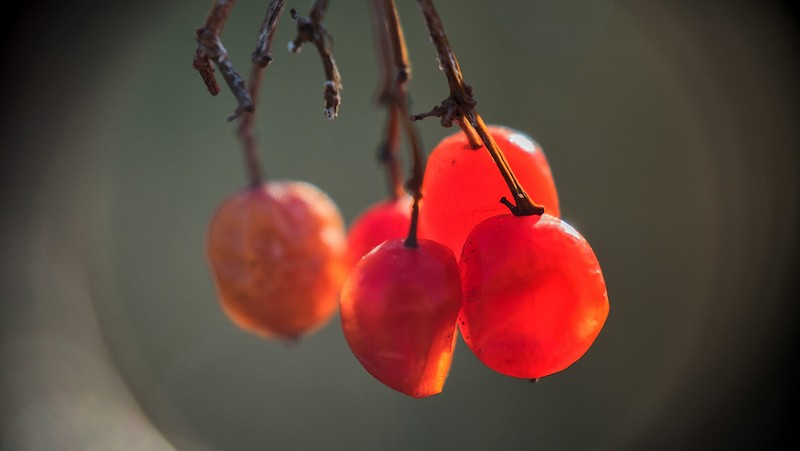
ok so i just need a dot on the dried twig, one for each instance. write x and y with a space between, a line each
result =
310 29
262 55
459 107
210 49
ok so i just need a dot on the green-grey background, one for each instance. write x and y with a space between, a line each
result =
671 129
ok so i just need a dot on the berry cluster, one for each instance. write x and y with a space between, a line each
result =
524 289
526 292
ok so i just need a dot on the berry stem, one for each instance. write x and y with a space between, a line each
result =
387 150
388 154
414 183
472 136
397 99
310 29
459 108
261 57
523 205
210 48
246 135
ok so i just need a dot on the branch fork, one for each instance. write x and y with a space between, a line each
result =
311 30
210 50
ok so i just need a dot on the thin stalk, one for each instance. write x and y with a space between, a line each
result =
398 100
261 58
388 148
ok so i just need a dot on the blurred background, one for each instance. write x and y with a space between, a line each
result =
672 132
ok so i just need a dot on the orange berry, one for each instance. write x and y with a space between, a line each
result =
278 255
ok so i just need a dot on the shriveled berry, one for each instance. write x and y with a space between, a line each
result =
534 296
278 255
398 309
463 187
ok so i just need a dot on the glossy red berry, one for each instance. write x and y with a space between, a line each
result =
278 255
383 221
398 309
534 296
463 187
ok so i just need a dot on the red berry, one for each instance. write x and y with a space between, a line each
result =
278 255
534 296
380 222
463 186
399 308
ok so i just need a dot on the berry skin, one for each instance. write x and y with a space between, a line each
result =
534 295
463 187
278 255
398 309
380 222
